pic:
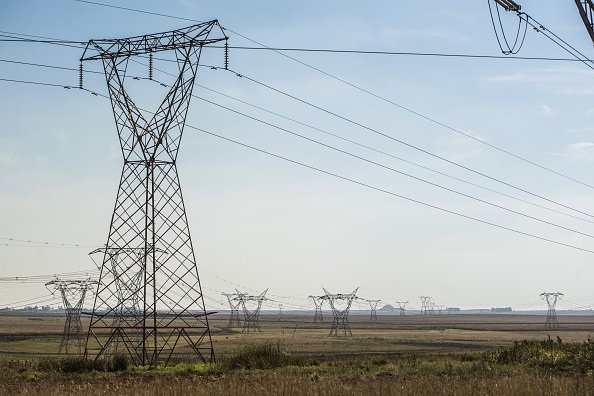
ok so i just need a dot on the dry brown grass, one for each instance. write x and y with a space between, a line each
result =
415 355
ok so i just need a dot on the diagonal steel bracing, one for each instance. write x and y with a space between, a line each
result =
149 303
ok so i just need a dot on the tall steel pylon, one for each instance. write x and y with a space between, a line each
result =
425 305
251 310
234 304
402 306
551 299
72 292
373 307
318 302
341 313
149 214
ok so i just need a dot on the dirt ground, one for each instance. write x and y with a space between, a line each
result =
32 335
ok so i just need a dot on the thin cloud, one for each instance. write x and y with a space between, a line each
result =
580 151
546 111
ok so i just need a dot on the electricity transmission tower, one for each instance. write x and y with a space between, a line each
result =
402 306
149 215
318 302
341 314
551 299
234 304
425 305
251 310
373 306
72 292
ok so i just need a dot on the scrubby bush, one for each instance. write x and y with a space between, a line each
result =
548 354
267 355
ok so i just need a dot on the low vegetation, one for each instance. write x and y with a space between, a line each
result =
547 367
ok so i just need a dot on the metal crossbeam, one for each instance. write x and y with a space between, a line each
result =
189 37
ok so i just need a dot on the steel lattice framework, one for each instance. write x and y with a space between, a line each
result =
425 305
341 314
149 217
373 306
402 306
318 302
551 299
71 291
234 304
251 310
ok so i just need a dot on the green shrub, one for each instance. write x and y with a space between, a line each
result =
119 362
548 354
267 355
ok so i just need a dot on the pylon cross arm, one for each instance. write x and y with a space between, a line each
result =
195 35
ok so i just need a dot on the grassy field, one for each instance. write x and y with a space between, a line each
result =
416 355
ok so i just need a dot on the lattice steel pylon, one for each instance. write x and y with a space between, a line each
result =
425 305
149 213
251 313
318 302
402 307
71 291
341 314
234 304
551 299
373 306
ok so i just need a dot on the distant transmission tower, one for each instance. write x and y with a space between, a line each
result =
149 214
318 302
551 299
402 306
72 292
251 310
373 306
425 305
234 304
341 313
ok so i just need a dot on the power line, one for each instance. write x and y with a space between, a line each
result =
365 91
403 142
46 243
344 152
383 190
304 124
389 192
389 168
395 170
278 50
420 115
37 83
391 155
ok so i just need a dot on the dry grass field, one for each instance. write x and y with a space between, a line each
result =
416 355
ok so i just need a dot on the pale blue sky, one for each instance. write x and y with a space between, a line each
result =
263 223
